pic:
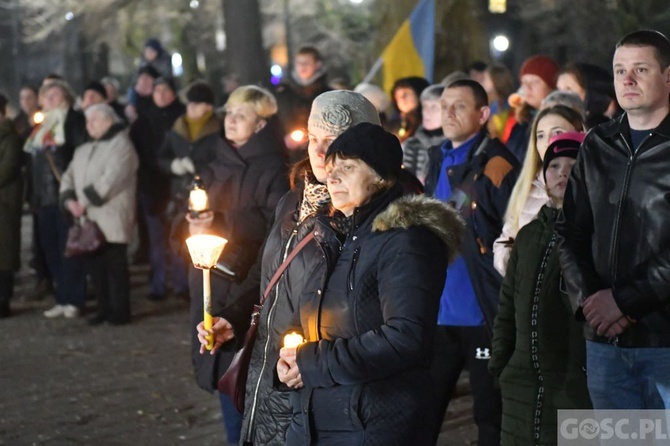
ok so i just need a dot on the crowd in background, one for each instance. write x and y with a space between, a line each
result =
505 289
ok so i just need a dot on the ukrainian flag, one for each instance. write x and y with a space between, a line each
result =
412 49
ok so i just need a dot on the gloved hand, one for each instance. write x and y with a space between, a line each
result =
187 164
176 167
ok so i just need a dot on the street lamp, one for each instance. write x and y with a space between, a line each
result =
205 250
500 43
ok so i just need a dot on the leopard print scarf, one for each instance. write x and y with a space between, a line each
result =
314 197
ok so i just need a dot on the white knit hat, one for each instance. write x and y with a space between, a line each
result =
335 111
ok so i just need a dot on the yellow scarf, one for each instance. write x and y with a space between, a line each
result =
196 125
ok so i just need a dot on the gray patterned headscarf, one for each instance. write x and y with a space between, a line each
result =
336 111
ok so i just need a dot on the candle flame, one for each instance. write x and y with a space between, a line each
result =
297 135
38 117
292 340
198 199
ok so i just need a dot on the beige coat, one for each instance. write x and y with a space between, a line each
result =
102 177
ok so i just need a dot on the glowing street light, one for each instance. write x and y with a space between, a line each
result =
501 43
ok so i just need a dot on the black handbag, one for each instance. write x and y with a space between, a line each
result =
84 237
233 383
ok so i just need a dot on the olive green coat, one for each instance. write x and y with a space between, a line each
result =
550 371
10 196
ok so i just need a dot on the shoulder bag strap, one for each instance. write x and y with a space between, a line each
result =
285 265
52 164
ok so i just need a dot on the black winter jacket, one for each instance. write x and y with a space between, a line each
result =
201 150
148 134
614 229
267 411
244 186
44 183
295 101
368 315
481 187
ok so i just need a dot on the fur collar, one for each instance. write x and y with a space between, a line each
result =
419 210
213 125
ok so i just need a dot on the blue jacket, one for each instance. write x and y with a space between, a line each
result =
481 187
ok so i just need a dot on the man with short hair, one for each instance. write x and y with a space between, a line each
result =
94 93
476 175
296 93
615 238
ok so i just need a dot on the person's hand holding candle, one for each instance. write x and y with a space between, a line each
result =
287 368
201 223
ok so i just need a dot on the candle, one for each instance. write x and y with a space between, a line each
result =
205 251
198 199
38 117
207 307
297 135
292 340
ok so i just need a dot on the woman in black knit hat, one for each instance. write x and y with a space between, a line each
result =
368 311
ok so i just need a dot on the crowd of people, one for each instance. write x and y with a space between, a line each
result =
468 224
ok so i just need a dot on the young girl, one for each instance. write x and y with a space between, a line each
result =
529 193
538 347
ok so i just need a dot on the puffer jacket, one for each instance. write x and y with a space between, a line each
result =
614 231
368 316
267 411
538 348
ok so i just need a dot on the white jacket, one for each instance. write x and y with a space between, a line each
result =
103 177
536 199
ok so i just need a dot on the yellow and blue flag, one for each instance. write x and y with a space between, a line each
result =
412 49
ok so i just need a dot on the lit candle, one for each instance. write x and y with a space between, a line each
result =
297 135
205 251
292 340
38 117
198 199
207 307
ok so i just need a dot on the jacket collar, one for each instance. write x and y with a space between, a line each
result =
620 125
265 142
112 132
212 126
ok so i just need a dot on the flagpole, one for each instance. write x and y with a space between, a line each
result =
373 71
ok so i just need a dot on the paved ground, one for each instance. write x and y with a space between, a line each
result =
65 383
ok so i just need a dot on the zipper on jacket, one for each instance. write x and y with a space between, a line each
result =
252 415
624 190
352 271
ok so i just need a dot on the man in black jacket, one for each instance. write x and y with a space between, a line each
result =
615 245
296 93
476 174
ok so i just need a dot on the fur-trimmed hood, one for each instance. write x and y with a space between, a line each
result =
420 210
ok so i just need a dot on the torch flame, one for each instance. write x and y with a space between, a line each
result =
292 340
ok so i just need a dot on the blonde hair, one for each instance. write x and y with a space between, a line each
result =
262 101
532 163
